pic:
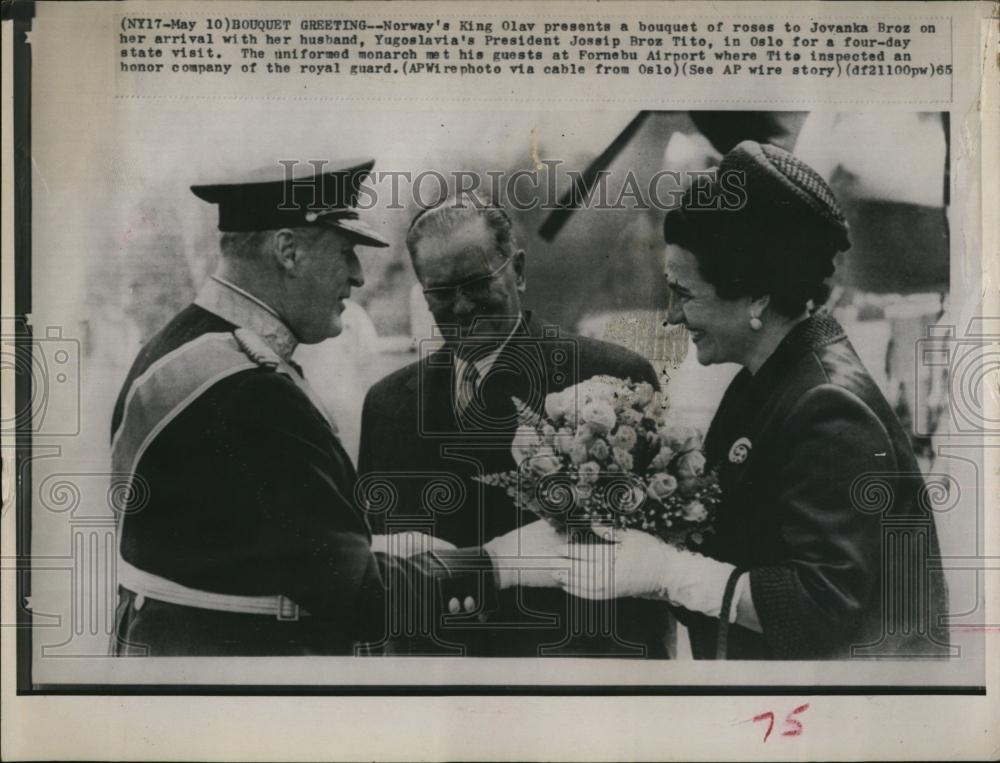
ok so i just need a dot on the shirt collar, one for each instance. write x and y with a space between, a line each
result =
484 364
240 307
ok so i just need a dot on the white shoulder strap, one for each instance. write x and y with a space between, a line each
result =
169 386
159 396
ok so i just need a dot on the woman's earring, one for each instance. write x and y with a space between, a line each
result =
755 323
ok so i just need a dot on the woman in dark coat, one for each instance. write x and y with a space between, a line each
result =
824 541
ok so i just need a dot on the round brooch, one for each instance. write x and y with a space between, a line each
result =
740 450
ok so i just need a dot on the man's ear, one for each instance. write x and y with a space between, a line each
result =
519 270
284 249
758 305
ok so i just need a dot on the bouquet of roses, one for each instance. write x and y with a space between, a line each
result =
604 452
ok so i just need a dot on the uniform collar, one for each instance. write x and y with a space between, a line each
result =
240 307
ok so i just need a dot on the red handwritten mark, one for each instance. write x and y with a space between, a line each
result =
769 717
790 721
793 727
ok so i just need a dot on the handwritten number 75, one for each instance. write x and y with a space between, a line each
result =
793 727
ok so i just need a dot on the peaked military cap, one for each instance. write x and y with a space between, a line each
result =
293 195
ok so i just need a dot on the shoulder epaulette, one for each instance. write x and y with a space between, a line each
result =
256 348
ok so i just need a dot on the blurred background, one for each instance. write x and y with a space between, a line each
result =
594 271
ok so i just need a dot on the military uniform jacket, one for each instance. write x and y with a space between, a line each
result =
248 491
825 506
419 447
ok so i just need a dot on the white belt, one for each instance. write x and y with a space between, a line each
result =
147 585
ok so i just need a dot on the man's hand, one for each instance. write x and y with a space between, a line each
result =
407 544
528 555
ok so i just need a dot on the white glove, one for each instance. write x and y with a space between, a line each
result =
407 544
635 563
528 555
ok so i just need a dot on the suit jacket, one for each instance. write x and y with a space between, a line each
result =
825 505
415 448
249 492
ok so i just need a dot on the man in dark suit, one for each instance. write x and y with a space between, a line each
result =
240 534
430 428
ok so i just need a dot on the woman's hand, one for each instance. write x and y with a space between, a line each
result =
633 564
528 555
637 564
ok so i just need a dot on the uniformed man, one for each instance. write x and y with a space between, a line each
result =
241 535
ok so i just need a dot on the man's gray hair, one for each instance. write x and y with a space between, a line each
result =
246 245
455 211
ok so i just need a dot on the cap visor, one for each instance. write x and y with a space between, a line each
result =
359 231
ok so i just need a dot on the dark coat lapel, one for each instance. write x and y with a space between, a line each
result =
518 370
750 399
514 372
432 384
809 336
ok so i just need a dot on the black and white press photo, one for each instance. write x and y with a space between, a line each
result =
502 357
473 399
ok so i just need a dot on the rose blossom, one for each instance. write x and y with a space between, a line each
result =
557 404
691 465
623 458
662 459
599 415
695 512
624 437
644 393
661 486
563 441
578 452
600 450
548 433
545 461
584 434
635 500
596 389
589 472
680 438
632 417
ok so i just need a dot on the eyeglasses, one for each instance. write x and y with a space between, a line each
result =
475 289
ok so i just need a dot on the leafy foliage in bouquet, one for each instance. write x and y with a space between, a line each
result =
605 452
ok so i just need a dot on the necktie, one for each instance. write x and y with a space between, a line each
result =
466 387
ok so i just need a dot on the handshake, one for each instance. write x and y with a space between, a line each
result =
538 555
615 563
528 556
